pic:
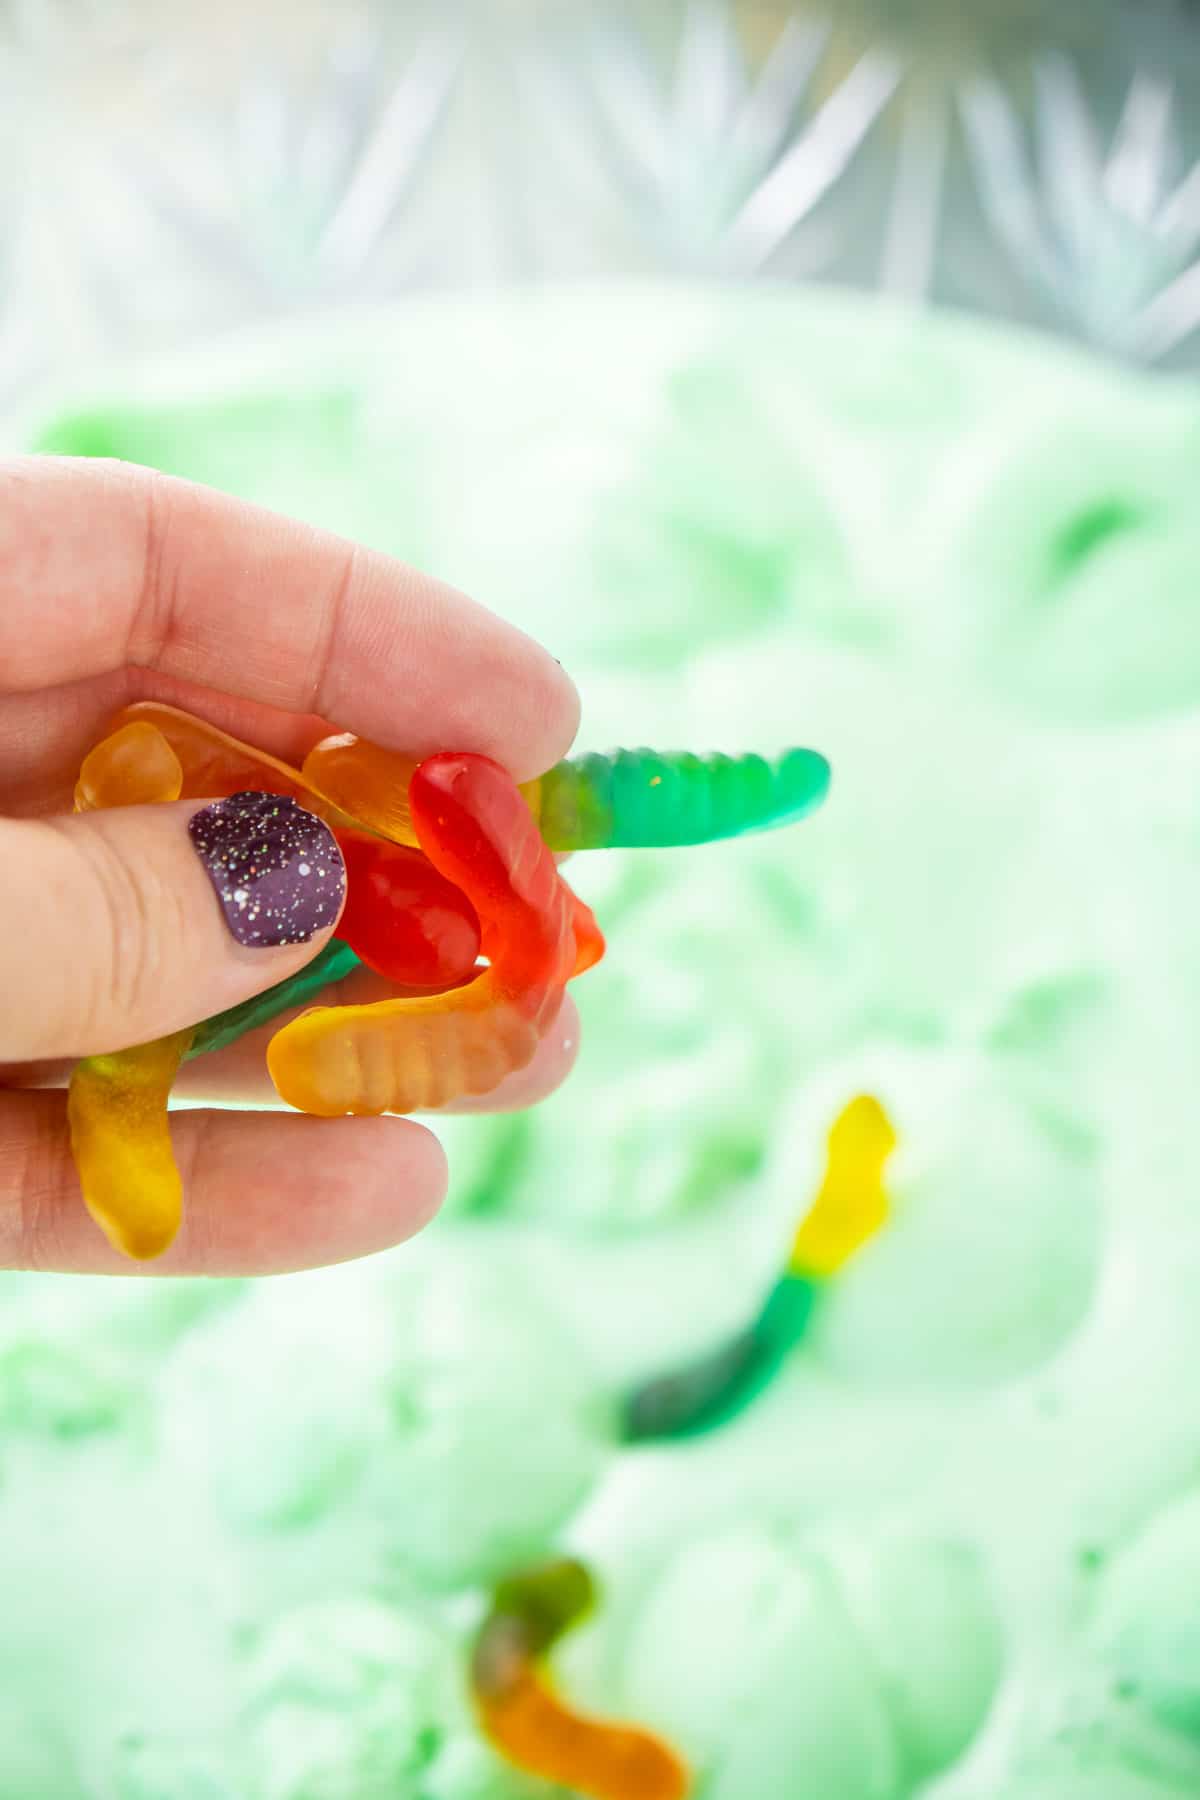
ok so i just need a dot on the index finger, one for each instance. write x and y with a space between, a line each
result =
105 565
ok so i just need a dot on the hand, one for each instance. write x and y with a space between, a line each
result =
117 584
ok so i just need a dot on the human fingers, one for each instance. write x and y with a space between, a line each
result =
266 1192
121 927
45 735
104 564
237 1075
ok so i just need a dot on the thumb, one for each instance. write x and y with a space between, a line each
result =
119 927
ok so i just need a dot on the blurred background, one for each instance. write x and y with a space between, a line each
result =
818 375
171 171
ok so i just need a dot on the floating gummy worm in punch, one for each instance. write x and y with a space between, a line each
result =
412 1054
121 1141
850 1208
641 798
530 1725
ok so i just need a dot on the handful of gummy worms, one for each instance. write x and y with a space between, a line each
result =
453 894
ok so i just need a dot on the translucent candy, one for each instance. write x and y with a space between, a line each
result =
992 1208
411 1054
121 1142
135 766
645 797
627 798
715 1388
403 919
850 1206
368 783
331 964
533 1726
851 1203
957 563
127 769
371 784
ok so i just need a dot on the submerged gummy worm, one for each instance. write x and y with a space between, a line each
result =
850 1207
532 1726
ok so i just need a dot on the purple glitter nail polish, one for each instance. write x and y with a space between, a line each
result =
276 869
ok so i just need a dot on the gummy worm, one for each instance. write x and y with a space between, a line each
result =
530 1725
121 1141
155 752
850 1208
643 798
622 799
626 799
410 1055
333 963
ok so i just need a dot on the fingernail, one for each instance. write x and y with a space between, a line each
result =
276 869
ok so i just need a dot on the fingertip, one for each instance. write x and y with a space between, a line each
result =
522 708
560 724
313 1191
431 1181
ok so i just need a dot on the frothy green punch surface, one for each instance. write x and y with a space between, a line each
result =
943 1552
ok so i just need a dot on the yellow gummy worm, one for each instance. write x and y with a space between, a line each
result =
121 1140
851 1204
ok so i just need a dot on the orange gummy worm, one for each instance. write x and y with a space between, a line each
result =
537 1731
524 1718
131 765
372 784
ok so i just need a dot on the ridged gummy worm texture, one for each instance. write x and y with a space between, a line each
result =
648 798
411 1055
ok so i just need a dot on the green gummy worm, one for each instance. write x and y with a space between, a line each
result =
648 798
721 1384
335 960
